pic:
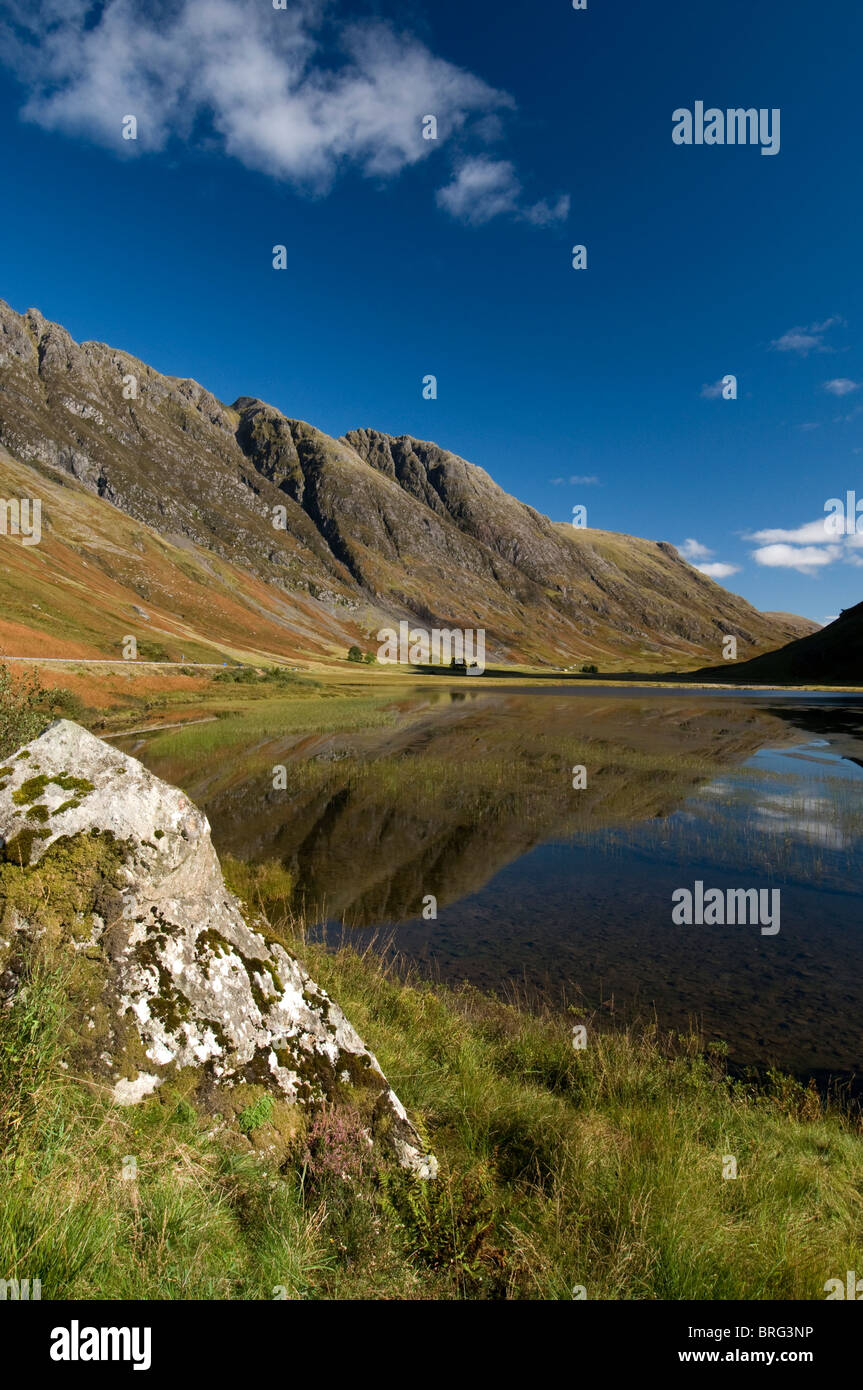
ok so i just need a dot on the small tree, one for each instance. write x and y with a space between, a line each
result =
370 659
355 654
20 715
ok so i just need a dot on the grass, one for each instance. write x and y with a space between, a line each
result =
241 726
603 1167
106 1203
600 1167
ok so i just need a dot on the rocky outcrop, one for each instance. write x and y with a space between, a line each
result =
182 981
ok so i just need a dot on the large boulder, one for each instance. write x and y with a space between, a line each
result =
183 980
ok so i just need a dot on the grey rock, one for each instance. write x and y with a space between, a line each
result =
201 987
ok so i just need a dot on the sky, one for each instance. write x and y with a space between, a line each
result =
408 257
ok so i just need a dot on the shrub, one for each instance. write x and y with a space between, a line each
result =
337 1142
22 714
65 703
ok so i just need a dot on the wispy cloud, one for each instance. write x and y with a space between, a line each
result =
718 569
693 550
807 559
576 480
711 391
483 188
270 87
804 340
841 386
813 531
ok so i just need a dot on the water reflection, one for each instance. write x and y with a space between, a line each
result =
469 797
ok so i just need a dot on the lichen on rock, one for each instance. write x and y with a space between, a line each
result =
169 973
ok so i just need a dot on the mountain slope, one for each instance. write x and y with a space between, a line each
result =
831 656
368 529
98 576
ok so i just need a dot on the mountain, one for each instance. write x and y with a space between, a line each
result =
369 529
831 656
800 627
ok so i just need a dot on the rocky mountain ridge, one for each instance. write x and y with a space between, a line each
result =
362 531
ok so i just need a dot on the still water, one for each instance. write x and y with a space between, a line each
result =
565 891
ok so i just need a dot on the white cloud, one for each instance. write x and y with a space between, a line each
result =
813 531
718 570
544 213
807 548
841 386
576 480
712 390
804 340
808 559
265 85
483 188
694 550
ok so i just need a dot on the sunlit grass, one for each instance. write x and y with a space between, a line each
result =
242 725
600 1167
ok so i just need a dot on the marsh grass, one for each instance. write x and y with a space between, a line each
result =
485 775
604 1167
244 724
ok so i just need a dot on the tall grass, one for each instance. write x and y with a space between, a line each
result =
604 1167
240 727
103 1202
600 1167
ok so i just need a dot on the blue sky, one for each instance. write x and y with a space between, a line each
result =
452 257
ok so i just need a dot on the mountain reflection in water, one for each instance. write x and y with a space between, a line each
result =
566 892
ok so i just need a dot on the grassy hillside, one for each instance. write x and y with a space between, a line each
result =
97 576
831 656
